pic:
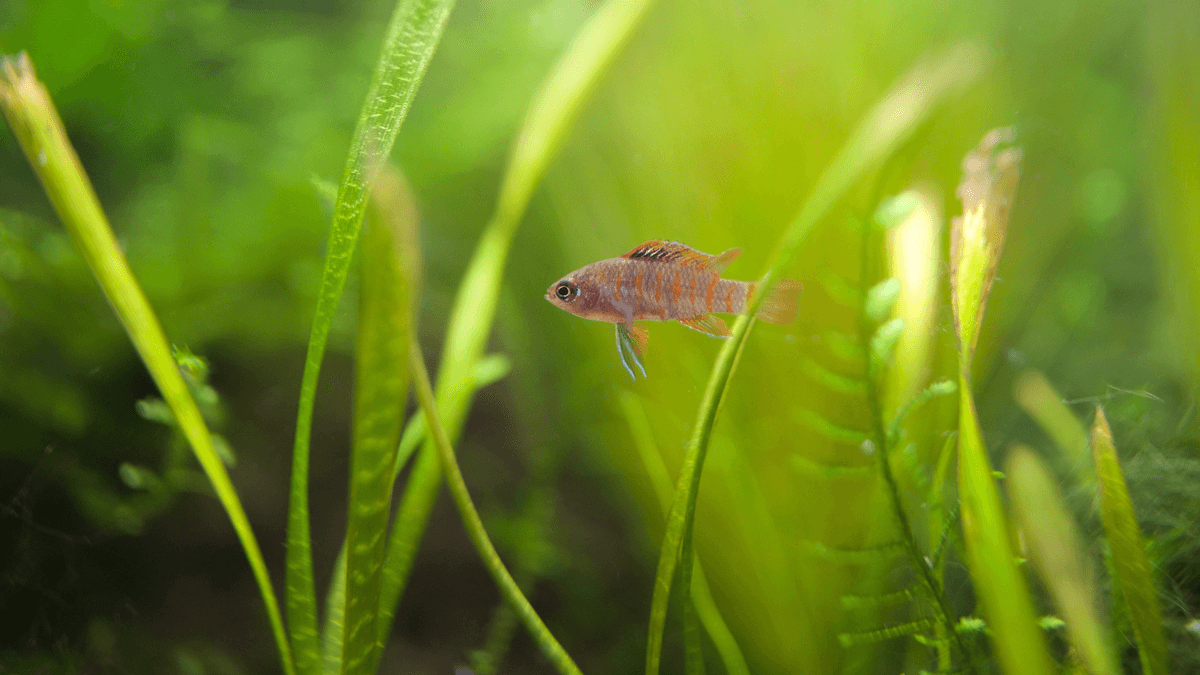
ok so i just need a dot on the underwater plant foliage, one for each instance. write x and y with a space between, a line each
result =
828 534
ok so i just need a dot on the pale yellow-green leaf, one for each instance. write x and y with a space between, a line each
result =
1129 559
1057 550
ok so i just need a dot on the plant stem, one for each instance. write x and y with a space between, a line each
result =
553 110
879 431
880 133
474 525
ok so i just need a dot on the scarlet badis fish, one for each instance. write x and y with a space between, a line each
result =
665 281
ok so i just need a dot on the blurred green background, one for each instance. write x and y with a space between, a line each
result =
204 126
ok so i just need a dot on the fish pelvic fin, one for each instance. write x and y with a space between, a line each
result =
631 345
782 304
707 323
660 250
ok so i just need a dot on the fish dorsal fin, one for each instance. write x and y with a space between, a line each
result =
672 251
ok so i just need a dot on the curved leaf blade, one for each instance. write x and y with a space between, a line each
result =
880 132
412 36
1128 551
1057 551
990 557
706 607
388 299
551 114
474 524
39 130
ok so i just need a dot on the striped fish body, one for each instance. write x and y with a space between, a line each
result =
624 290
665 281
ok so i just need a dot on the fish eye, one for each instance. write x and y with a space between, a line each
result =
564 292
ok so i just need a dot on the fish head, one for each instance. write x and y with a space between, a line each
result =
567 293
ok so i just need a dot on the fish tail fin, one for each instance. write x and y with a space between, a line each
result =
782 304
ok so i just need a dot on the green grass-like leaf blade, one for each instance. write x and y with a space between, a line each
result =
38 128
490 369
1057 551
656 470
1129 558
990 557
551 114
474 524
389 281
335 616
881 132
412 35
1037 397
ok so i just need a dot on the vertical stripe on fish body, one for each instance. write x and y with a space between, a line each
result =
666 291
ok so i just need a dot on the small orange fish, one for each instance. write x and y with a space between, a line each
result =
665 281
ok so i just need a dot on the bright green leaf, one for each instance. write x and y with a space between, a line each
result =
880 133
1129 559
38 128
412 36
551 114
1058 552
390 277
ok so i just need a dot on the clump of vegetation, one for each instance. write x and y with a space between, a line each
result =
895 484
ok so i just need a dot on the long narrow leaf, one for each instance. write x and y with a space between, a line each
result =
551 114
989 184
489 370
474 525
990 556
884 128
660 481
389 281
1129 558
333 635
38 128
1037 397
1057 551
412 35
998 582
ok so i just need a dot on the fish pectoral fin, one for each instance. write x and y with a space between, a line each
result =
631 345
707 323
660 250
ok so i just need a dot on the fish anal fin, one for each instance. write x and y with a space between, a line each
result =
659 250
707 323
